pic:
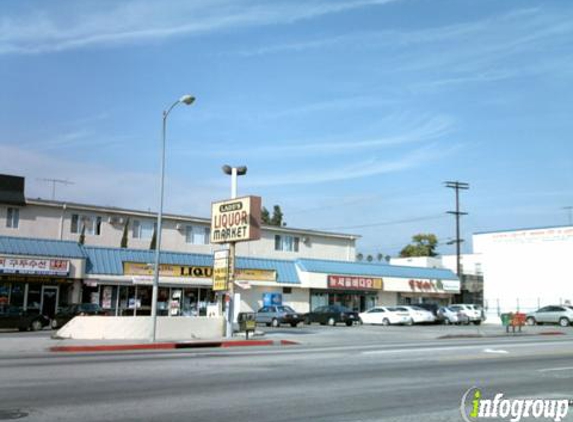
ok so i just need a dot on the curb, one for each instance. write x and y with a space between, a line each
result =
171 345
504 335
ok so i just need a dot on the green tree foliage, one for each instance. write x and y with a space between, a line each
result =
369 258
276 219
359 256
423 244
125 235
265 216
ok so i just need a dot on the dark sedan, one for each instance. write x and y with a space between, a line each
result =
332 315
23 320
66 314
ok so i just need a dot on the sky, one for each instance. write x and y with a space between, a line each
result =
349 114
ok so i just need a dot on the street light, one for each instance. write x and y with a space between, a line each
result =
234 172
187 100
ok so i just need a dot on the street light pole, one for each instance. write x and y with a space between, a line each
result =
188 100
234 172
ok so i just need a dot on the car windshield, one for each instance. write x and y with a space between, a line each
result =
285 309
87 307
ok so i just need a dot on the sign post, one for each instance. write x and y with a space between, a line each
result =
235 220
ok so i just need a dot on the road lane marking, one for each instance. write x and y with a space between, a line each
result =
566 368
496 351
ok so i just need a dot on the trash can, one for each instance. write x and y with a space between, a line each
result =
247 323
505 319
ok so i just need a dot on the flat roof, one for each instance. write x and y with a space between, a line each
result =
525 229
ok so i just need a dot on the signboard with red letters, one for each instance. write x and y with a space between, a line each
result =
344 282
34 266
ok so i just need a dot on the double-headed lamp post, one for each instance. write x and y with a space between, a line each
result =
234 172
187 100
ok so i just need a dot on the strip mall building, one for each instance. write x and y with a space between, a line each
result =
43 264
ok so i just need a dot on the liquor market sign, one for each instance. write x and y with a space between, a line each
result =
166 270
236 220
57 267
344 282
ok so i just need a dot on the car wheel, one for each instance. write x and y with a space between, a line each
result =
293 324
530 321
307 321
54 324
447 321
36 325
410 322
385 322
564 322
477 322
349 323
331 322
275 323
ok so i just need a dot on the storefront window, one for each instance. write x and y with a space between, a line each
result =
17 295
34 296
5 293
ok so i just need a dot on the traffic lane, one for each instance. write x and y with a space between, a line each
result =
335 386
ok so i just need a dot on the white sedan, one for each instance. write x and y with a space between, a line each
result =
418 315
385 316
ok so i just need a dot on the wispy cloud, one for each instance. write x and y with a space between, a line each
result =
137 21
404 131
367 168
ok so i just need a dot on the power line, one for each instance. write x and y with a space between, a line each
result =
386 223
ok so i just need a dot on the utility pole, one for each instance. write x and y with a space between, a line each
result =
54 182
569 210
458 186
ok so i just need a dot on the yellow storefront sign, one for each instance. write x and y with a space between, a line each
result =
256 275
166 270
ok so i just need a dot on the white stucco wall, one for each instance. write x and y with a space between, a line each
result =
53 221
526 268
139 328
252 299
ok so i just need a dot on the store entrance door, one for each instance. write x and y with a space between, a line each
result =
49 300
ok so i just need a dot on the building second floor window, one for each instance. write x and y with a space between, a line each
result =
13 218
91 223
286 243
143 229
197 235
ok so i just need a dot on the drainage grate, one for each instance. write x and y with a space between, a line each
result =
12 414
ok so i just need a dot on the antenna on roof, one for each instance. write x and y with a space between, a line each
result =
54 182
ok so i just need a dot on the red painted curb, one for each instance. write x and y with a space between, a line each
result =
113 347
168 346
241 343
289 343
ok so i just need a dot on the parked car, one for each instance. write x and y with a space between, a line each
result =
63 316
447 315
418 315
331 315
474 313
23 320
385 316
277 315
562 315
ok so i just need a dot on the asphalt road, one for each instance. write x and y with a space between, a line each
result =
394 381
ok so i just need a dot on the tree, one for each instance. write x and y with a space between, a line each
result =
359 256
369 258
423 244
265 216
125 236
276 219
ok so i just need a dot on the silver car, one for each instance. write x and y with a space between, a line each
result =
562 315
276 315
